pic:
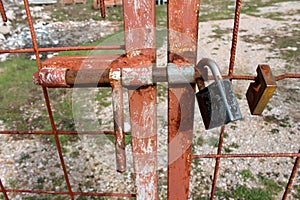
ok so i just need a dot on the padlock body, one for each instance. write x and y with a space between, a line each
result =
212 105
260 92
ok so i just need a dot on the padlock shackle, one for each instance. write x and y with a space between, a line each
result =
217 76
212 66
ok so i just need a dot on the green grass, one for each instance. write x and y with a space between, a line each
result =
17 90
161 16
216 10
82 12
246 174
242 192
297 194
116 38
270 184
251 6
266 188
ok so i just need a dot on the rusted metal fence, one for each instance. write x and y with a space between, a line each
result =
140 75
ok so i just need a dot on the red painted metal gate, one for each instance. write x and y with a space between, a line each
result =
137 71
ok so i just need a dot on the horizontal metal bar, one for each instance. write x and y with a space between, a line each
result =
284 76
159 75
252 78
58 133
247 155
57 49
74 193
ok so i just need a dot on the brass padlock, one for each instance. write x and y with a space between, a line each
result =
217 102
260 91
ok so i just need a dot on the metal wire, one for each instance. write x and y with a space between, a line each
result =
217 165
47 101
58 133
3 190
292 177
58 49
74 193
102 8
237 14
2 11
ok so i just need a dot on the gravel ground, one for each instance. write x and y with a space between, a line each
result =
32 163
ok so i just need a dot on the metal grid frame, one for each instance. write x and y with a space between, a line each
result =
217 156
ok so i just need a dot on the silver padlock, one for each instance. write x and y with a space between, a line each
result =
217 102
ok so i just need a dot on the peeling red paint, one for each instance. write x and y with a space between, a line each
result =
183 37
53 77
139 26
144 141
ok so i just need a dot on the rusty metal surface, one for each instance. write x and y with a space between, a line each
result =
260 92
292 177
80 62
180 120
238 7
2 11
118 111
217 164
58 132
47 101
144 141
57 49
138 76
139 26
183 29
75 193
3 190
53 77
183 37
247 155
75 71
87 77
102 8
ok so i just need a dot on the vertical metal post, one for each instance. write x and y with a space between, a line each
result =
182 36
139 26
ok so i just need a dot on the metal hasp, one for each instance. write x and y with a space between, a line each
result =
260 92
118 111
182 46
217 102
